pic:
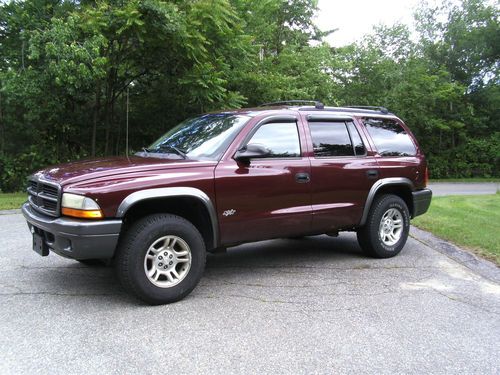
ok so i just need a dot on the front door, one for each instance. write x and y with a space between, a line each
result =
265 197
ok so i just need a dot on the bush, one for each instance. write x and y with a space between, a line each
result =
475 158
15 170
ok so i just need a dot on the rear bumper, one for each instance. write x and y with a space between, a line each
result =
421 201
73 238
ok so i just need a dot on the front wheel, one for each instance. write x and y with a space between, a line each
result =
161 258
387 226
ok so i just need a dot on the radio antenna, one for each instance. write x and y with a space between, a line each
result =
126 124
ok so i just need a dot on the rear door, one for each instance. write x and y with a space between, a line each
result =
397 153
268 197
343 169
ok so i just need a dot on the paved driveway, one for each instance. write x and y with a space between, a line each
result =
285 306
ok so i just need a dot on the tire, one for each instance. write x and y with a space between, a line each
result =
386 230
152 249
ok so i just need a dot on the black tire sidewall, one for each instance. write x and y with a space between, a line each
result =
141 237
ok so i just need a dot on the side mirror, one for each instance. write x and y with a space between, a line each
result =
251 151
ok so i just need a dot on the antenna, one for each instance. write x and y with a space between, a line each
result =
130 84
126 126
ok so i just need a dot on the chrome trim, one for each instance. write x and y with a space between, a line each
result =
376 186
169 192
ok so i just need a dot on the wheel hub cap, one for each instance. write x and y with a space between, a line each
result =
391 227
167 261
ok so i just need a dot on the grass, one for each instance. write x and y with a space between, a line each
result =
469 221
9 201
472 179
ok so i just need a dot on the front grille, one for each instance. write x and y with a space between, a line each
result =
44 196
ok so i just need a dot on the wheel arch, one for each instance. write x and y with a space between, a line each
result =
190 203
400 186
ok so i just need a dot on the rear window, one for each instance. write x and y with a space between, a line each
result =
389 137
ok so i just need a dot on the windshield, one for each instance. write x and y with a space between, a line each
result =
205 137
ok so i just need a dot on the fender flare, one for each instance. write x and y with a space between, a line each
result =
376 187
170 192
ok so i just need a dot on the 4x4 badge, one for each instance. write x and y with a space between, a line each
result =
229 212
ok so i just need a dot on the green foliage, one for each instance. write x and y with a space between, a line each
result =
66 67
473 158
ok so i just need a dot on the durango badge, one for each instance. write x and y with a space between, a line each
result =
229 212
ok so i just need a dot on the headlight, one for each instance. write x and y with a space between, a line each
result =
80 206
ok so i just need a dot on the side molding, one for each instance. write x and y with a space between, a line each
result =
169 192
376 186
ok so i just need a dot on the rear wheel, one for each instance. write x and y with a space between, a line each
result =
386 230
161 258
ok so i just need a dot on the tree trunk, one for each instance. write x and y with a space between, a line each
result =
2 134
97 108
107 122
110 98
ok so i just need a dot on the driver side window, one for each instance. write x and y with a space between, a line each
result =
281 139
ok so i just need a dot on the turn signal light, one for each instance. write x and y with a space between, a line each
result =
82 214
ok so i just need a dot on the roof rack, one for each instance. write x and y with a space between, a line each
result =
317 103
376 108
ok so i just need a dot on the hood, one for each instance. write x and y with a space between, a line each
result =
83 170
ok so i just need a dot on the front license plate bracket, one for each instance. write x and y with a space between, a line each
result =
39 245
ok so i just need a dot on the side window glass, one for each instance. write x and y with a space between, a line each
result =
389 137
281 139
359 147
330 139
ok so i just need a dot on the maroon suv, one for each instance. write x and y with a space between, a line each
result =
227 178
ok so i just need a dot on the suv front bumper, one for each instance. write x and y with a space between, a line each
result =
421 201
73 238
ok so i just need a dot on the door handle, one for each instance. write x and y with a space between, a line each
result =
302 178
372 173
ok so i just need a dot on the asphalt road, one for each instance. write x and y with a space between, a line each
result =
287 306
465 188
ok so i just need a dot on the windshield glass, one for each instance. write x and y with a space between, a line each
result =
205 137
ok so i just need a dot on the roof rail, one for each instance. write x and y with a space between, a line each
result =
376 108
317 103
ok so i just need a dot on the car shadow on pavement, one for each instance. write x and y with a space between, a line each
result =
99 282
313 249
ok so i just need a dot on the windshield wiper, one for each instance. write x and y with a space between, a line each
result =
178 151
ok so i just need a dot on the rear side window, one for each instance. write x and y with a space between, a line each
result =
282 139
331 138
389 137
